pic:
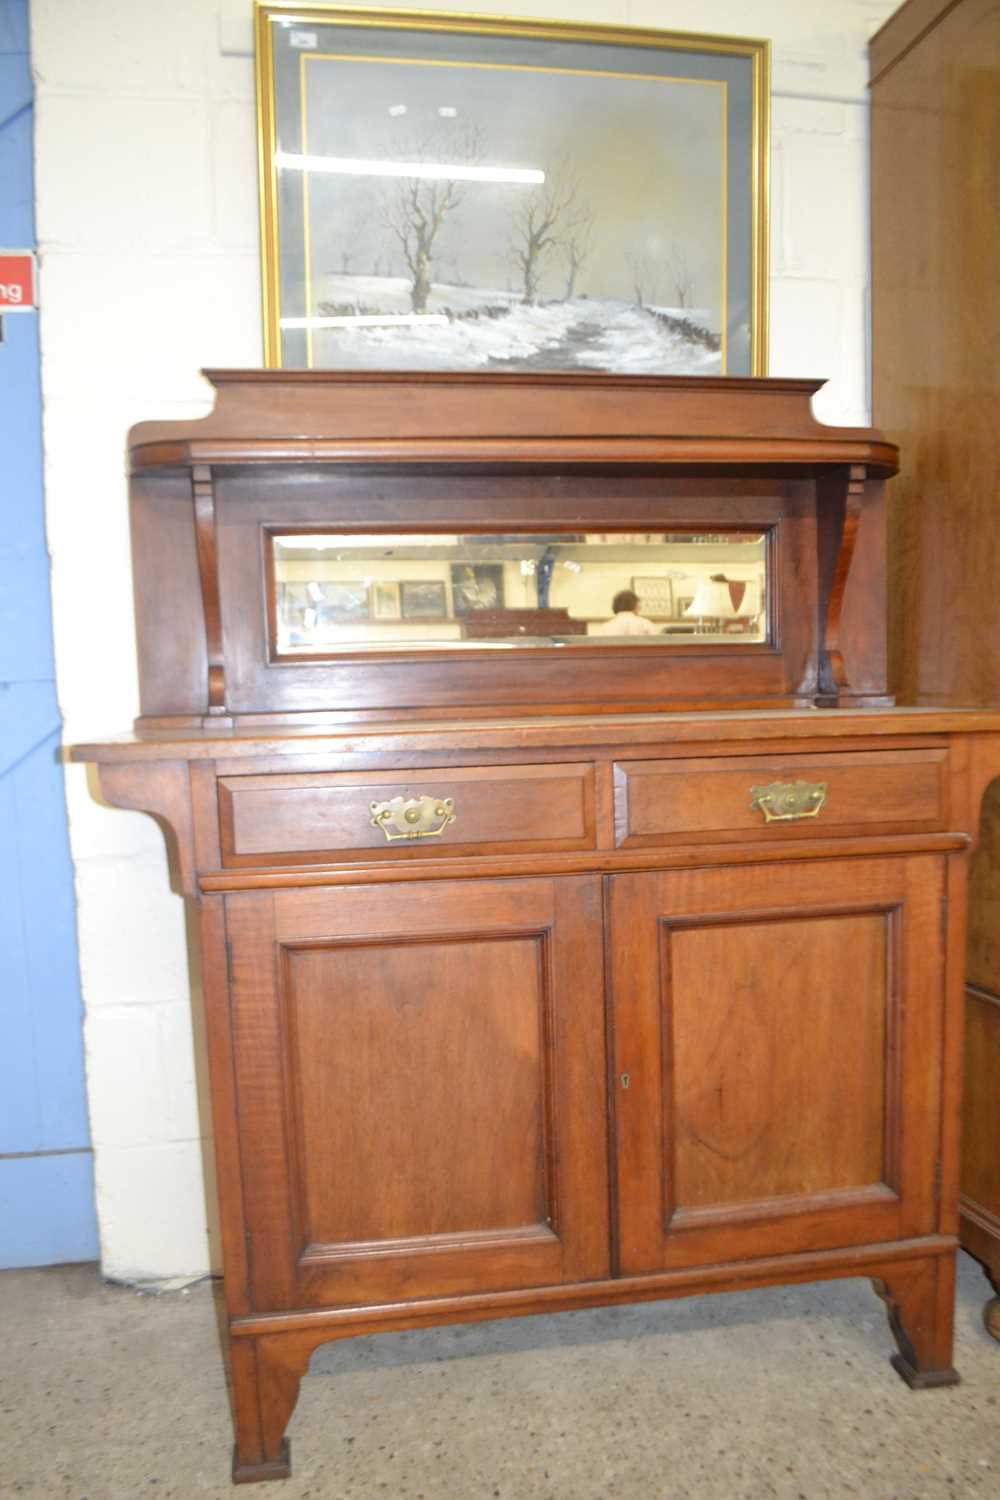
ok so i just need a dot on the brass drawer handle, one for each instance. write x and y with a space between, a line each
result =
783 801
413 817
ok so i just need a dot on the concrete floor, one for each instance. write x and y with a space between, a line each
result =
108 1394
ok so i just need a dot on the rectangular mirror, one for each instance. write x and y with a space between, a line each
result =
341 592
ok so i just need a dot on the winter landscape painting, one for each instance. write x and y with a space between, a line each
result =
514 198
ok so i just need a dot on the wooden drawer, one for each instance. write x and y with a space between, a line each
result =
668 801
323 817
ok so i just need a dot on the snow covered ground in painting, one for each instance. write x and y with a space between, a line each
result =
584 333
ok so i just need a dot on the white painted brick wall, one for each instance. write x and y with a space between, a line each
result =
147 225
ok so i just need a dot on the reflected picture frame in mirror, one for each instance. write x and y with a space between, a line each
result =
386 600
423 599
656 596
476 586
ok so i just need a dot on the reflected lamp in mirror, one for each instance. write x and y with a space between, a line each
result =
727 605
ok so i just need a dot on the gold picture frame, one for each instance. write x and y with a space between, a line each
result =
641 248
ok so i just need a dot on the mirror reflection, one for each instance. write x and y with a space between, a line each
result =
343 592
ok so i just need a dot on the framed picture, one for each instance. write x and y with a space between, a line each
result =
458 192
683 602
423 599
385 601
656 596
292 604
476 586
304 605
342 602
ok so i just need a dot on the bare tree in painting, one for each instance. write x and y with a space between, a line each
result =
417 207
641 276
683 277
346 248
535 231
577 245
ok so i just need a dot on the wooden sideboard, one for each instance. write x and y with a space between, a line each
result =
935 98
533 992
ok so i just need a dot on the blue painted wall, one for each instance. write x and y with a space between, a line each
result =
46 1167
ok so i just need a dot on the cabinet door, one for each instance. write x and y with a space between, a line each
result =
421 1087
778 1034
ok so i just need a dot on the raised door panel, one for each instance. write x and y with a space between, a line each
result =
405 1146
758 1111
777 1046
421 1076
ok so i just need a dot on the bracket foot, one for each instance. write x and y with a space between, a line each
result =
923 1380
279 1468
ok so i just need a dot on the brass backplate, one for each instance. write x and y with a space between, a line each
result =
786 801
420 817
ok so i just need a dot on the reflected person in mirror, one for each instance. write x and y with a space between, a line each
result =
626 620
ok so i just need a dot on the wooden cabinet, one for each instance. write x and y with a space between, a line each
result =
421 1074
453 1083
935 68
527 988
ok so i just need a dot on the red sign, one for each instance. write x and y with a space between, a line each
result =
17 281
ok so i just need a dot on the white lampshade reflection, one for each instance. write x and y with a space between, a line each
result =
712 601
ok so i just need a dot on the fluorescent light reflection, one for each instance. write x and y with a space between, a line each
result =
382 320
357 166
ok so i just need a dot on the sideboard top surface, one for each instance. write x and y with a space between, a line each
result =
631 730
